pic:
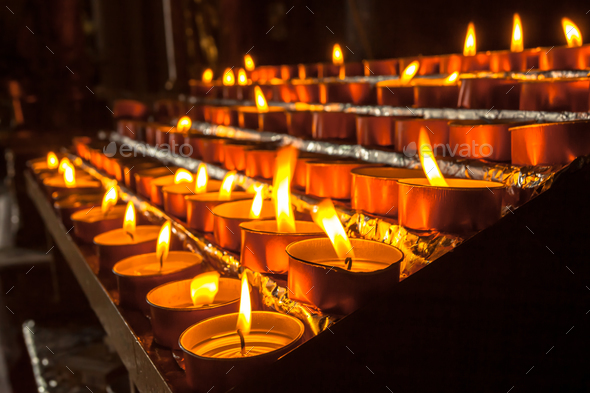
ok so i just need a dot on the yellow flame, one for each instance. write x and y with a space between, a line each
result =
324 215
228 77
110 199
204 287
207 75
257 202
517 43
261 104
202 179
242 77
129 221
470 45
63 164
226 186
249 63
409 72
163 243
70 176
337 55
52 161
244 321
182 175
429 165
281 189
572 33
184 124
449 80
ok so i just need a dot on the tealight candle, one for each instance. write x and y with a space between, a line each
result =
398 92
488 92
91 223
574 56
260 163
70 183
144 178
333 125
67 204
181 176
330 179
343 91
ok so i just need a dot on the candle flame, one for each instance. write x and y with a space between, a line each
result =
257 202
202 179
228 77
242 77
63 164
429 165
110 199
184 124
470 45
285 166
261 104
572 33
517 44
52 161
244 320
163 243
226 186
249 63
449 80
409 72
324 215
70 176
207 75
182 175
337 55
129 221
204 287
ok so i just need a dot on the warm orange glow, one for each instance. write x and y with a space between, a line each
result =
324 215
70 176
572 33
451 79
184 124
52 161
409 72
182 175
242 77
207 75
429 165
261 104
337 55
228 77
109 200
257 202
202 179
129 221
226 186
470 45
204 287
517 44
281 189
163 243
249 63
63 164
244 321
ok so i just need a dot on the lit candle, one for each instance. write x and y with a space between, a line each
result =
92 222
48 165
470 60
518 58
262 117
398 92
69 182
214 346
574 56
205 87
362 268
139 274
157 185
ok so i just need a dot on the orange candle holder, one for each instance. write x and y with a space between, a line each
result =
289 71
175 197
357 93
427 95
234 154
176 140
66 204
375 130
306 71
555 95
464 207
199 208
550 143
272 121
212 347
263 245
229 216
220 115
318 277
407 132
307 90
156 187
460 63
203 89
84 183
233 92
330 179
260 163
172 310
506 61
375 189
128 128
131 170
151 129
333 125
299 123
300 173
90 223
381 67
392 94
482 139
326 70
144 178
565 58
211 149
488 93
266 73
191 139
429 65
116 245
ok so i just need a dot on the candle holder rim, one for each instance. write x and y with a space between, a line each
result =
156 227
218 207
364 171
214 196
248 227
550 124
254 109
78 216
419 182
410 119
555 80
487 122
184 190
170 254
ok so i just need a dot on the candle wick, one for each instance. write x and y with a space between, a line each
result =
131 236
161 261
348 262
242 343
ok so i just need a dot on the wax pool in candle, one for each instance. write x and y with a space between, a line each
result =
90 223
